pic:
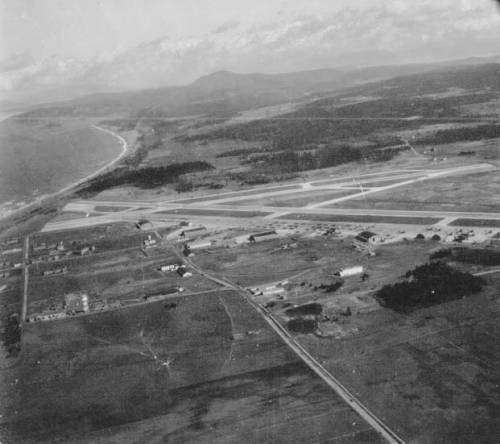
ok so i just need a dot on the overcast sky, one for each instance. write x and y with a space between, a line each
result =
88 28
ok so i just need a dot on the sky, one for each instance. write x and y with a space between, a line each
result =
86 28
93 28
84 46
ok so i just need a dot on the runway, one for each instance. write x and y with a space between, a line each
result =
242 204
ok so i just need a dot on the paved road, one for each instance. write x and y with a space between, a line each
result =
24 309
484 273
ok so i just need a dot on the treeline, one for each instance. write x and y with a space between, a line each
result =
477 256
428 285
489 131
124 124
11 335
148 177
472 77
324 120
295 131
292 161
239 152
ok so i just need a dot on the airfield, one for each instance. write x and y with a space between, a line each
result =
167 315
291 258
323 200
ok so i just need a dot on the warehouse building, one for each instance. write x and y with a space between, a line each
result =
365 240
170 267
350 271
183 272
55 271
192 232
199 245
266 235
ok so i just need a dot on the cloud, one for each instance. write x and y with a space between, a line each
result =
16 61
369 33
231 24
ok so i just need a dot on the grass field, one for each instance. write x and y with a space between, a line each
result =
294 199
473 192
207 212
86 234
110 368
109 209
123 281
238 193
432 375
362 218
258 263
476 222
119 269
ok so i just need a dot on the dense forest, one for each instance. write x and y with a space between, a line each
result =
489 131
427 285
477 256
148 177
292 161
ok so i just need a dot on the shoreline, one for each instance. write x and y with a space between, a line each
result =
41 199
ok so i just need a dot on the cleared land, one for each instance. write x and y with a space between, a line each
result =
474 192
182 373
294 199
433 374
214 212
119 270
430 375
362 218
226 195
476 222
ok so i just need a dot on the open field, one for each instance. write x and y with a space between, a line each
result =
127 278
106 209
88 234
294 199
474 192
226 195
180 372
361 218
218 358
214 212
476 222
259 263
431 375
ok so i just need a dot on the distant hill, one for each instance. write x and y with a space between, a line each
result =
225 93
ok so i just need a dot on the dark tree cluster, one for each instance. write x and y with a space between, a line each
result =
452 135
12 335
428 285
477 256
325 157
312 309
148 177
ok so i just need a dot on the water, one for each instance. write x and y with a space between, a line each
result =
40 157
